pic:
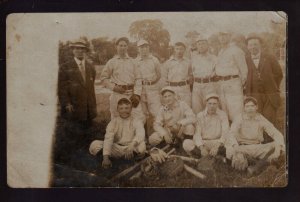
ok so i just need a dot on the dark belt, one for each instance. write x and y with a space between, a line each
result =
189 137
127 87
224 78
249 144
180 83
149 83
210 139
203 80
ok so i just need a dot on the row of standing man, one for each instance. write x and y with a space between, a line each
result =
231 75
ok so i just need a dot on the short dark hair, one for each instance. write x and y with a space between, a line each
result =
250 99
124 101
180 44
122 39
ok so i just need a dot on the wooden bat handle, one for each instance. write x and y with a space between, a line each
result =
194 172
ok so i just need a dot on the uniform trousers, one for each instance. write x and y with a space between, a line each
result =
199 93
117 150
157 137
258 151
231 97
183 93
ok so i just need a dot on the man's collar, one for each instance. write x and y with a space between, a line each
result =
203 54
141 58
257 56
225 46
79 61
129 117
206 112
174 58
229 45
119 57
247 117
175 105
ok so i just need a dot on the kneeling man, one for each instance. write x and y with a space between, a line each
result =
124 136
174 120
246 137
211 129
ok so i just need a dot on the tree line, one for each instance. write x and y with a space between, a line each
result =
103 48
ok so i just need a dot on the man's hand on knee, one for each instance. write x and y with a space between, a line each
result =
278 149
214 150
129 150
70 108
168 138
106 163
239 161
95 147
203 150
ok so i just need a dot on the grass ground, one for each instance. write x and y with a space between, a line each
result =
85 171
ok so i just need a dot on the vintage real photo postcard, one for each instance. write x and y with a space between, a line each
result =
147 99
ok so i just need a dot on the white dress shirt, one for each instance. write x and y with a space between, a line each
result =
255 59
81 66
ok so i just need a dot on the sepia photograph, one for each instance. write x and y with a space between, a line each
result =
147 99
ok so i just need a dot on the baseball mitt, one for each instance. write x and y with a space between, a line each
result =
172 167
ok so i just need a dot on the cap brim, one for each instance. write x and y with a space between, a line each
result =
143 44
212 97
224 32
163 91
202 40
79 46
254 37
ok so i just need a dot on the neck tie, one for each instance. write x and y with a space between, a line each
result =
82 70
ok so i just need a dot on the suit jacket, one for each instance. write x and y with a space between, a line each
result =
72 89
270 74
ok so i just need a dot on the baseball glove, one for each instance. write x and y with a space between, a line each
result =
135 100
205 163
172 167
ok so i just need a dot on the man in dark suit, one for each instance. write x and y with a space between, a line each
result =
77 99
264 77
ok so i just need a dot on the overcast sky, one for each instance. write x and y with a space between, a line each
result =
178 24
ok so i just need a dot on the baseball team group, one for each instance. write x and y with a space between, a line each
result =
206 104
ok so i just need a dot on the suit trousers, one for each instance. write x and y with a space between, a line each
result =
265 107
71 136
